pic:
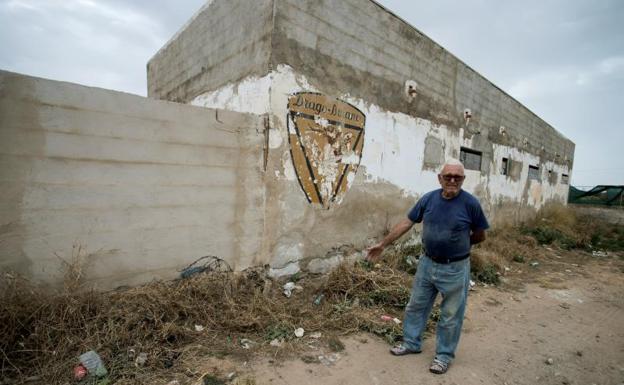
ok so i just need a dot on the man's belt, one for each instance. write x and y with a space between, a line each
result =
447 260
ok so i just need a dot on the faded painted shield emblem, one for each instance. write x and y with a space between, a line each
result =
326 137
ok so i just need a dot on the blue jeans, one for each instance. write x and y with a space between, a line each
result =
452 280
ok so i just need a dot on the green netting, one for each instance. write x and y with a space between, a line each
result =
599 195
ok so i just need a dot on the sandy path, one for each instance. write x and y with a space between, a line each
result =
508 337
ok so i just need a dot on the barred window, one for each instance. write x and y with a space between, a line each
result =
471 159
505 167
534 172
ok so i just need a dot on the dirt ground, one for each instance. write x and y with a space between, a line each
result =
560 322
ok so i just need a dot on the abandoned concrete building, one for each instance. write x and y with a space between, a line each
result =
291 136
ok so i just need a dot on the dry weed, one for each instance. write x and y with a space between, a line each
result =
44 332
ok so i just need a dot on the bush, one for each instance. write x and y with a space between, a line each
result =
488 274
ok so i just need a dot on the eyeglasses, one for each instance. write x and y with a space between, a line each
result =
456 178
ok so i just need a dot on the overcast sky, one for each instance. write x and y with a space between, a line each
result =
563 59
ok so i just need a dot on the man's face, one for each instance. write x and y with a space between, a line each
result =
451 179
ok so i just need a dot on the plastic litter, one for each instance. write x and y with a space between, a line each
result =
140 360
534 264
288 288
319 299
299 332
246 343
199 328
210 263
93 363
80 372
600 254
316 335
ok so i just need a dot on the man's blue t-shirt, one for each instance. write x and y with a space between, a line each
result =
447 223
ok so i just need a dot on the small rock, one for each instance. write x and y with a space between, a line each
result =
277 342
550 361
299 332
579 353
565 305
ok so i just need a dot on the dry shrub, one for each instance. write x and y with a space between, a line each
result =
504 244
557 216
44 331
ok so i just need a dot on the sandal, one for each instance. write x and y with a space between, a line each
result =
438 367
401 350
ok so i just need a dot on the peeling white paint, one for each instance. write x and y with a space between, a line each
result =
275 139
394 144
250 95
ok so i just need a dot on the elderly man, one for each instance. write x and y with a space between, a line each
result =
452 221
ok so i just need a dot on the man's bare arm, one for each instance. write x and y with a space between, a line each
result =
477 237
374 252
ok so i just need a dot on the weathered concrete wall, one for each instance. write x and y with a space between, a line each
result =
144 187
225 41
360 53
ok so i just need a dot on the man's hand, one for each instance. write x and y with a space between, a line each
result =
374 252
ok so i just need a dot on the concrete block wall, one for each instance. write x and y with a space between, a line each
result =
239 33
143 186
360 53
360 48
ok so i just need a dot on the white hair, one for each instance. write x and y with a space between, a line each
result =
452 162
